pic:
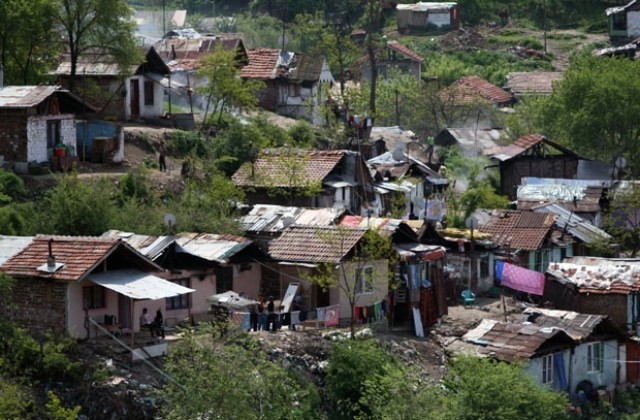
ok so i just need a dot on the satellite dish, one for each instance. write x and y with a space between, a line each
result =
398 153
169 220
621 162
287 221
471 222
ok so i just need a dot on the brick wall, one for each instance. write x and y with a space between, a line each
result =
13 134
37 305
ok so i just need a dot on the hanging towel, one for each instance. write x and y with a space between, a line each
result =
332 315
376 311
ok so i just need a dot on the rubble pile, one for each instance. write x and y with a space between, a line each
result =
462 39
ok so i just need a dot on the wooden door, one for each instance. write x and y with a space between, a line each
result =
134 96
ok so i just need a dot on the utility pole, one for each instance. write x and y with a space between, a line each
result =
164 18
544 24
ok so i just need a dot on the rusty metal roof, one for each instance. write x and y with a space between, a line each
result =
598 275
315 243
578 326
532 82
511 341
517 229
25 96
524 143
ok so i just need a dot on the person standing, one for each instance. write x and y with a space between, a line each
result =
263 325
158 323
253 318
162 159
147 322
271 314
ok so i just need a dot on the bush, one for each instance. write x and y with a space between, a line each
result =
185 143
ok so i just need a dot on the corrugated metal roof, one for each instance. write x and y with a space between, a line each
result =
483 141
274 219
511 341
574 225
598 275
11 245
149 246
428 6
551 192
138 285
25 96
578 326
210 246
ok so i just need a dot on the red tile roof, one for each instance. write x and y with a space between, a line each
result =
404 50
525 143
262 64
315 243
80 255
524 230
470 89
529 140
273 166
536 82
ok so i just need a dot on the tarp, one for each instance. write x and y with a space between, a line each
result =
138 285
231 300
522 279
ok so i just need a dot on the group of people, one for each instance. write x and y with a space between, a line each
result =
154 325
266 317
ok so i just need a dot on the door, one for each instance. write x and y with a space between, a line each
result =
224 279
134 96
124 311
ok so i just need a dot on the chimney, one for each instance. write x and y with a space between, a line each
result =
1 76
51 260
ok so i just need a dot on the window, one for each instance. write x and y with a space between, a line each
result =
364 280
148 92
181 301
93 297
620 21
595 357
547 369
293 90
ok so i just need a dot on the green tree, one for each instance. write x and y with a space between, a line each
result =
57 411
232 380
224 87
594 109
485 389
105 26
373 19
78 207
622 220
28 44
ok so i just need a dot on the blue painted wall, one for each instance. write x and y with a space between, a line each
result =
86 131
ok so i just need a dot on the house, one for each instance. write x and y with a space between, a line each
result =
131 94
303 251
296 84
427 16
11 245
471 141
60 280
307 178
402 183
566 351
605 286
533 155
182 50
206 263
35 120
624 21
393 56
532 83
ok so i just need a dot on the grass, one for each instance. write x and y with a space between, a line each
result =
176 109
513 40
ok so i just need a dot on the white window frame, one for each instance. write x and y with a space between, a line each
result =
595 357
547 369
364 284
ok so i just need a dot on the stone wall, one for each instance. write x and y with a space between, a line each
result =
37 135
13 134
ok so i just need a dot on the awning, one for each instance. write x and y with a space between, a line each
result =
138 285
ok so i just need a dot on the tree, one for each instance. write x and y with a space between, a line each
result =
477 388
232 380
594 110
622 218
353 277
27 42
224 87
372 23
98 27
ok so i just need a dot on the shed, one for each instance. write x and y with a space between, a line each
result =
425 15
624 21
